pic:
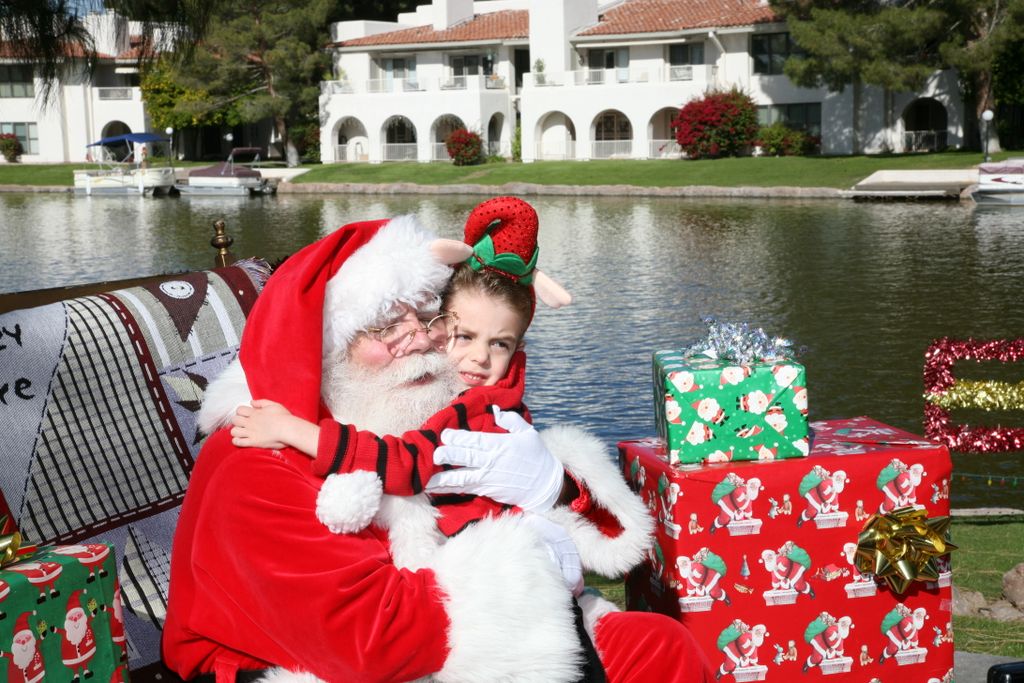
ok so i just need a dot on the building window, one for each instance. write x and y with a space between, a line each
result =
27 134
804 117
599 60
770 52
685 54
681 59
395 68
472 65
16 81
613 125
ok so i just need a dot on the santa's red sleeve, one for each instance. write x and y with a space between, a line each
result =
257 581
405 463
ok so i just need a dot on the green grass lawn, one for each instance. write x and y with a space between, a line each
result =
59 174
987 549
833 172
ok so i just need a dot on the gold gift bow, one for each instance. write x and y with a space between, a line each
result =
11 550
902 546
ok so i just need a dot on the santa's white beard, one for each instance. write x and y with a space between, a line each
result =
22 654
75 628
382 400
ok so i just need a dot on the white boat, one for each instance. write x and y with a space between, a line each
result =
1000 183
122 171
230 177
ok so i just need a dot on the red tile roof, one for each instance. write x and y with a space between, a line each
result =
8 50
503 25
656 16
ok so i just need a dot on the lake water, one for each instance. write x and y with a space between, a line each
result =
865 287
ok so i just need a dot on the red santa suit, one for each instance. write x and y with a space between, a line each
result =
91 556
24 662
78 643
257 580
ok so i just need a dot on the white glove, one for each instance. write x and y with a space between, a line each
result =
561 548
514 468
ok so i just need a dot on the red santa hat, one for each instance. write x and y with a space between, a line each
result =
318 300
75 600
21 624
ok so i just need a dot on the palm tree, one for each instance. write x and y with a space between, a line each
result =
51 34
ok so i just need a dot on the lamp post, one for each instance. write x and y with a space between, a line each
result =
987 117
170 134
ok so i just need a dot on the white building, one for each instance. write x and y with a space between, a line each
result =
85 107
587 79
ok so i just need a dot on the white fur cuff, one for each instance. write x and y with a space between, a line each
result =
348 502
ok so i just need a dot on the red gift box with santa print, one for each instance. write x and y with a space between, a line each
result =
758 558
61 618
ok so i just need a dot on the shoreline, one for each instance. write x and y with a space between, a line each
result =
522 189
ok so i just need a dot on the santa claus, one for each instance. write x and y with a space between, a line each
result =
490 603
78 644
42 575
91 556
24 661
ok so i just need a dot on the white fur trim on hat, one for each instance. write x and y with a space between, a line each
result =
589 461
395 267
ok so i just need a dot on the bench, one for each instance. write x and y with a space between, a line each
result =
98 400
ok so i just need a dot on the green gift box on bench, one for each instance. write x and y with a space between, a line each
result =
741 405
61 618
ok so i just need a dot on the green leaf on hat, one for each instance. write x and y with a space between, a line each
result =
512 264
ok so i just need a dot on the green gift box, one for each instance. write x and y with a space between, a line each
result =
717 410
61 618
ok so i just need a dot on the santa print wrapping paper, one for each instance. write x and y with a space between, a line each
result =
756 558
60 617
712 410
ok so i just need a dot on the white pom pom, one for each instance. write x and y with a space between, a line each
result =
348 502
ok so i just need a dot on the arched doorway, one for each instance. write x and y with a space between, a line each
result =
661 135
556 137
350 140
399 140
613 136
445 125
495 145
120 151
925 122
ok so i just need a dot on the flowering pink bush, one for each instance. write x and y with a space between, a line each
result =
720 124
10 146
464 147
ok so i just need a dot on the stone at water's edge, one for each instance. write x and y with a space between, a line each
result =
966 603
1013 586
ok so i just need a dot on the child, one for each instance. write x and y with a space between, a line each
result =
488 306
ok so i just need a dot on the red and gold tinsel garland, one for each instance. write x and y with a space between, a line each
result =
944 391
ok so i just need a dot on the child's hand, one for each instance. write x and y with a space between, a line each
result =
264 424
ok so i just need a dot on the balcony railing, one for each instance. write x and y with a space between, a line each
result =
398 151
499 148
561 151
454 83
114 93
392 85
665 149
611 149
440 152
924 140
700 73
680 73
414 84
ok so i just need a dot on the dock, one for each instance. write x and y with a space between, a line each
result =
917 184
